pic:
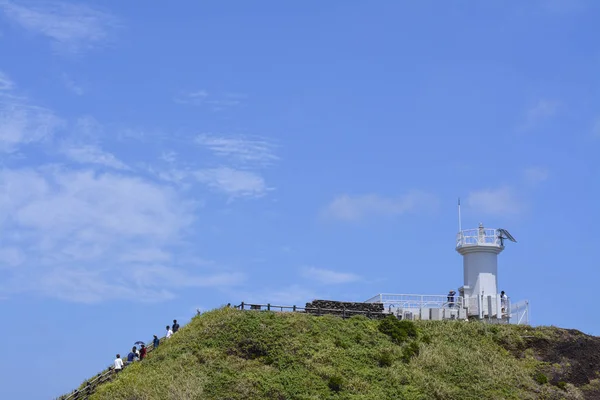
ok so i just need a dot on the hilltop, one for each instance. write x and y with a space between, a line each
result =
233 354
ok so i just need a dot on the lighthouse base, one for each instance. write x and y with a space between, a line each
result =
490 309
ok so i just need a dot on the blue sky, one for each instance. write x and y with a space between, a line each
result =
156 160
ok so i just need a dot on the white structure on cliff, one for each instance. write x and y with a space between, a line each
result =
478 297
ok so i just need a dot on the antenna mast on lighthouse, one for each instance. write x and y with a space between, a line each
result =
459 219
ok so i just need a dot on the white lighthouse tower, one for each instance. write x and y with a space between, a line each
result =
480 248
478 297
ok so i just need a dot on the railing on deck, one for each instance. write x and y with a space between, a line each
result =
416 300
478 237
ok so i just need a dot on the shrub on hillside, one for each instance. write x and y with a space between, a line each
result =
540 378
250 348
335 383
410 350
399 331
385 359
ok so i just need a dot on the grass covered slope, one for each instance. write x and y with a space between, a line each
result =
232 354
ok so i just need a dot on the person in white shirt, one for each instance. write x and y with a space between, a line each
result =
118 363
169 332
503 301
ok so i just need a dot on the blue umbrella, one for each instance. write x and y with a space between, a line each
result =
138 343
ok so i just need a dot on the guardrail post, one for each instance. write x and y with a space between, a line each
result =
319 311
344 312
269 307
242 305
294 308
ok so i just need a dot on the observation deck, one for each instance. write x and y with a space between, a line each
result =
488 237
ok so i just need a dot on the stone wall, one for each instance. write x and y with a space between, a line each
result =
345 308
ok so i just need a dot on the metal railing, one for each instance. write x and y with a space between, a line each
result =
342 312
106 375
417 300
478 237
519 312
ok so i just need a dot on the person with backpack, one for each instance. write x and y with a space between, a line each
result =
132 356
156 341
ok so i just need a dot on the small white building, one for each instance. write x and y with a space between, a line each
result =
477 298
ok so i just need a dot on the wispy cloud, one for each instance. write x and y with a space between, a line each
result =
5 82
327 276
244 150
539 112
72 86
92 154
22 124
354 208
498 201
86 236
535 175
233 182
287 295
70 26
209 100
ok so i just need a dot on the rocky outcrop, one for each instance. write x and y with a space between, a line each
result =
345 308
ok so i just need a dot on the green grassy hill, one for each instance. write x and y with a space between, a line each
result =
232 354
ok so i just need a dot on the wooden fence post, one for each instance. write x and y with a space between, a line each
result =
242 305
269 307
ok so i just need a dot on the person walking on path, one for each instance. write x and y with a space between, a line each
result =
131 356
143 351
169 332
175 326
118 364
156 341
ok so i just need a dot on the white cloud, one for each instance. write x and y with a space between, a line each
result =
285 296
92 154
214 102
536 174
5 82
84 236
72 86
240 149
71 26
233 182
93 286
353 208
542 110
10 257
22 124
169 157
159 275
329 277
500 201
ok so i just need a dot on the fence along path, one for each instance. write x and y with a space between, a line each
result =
343 312
89 386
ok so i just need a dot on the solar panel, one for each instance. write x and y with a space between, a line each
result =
505 235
